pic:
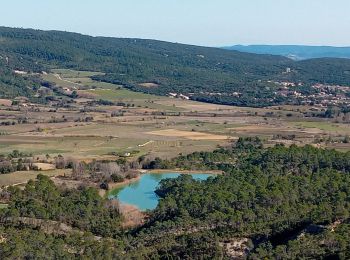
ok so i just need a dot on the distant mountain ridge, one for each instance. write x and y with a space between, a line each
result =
295 52
205 74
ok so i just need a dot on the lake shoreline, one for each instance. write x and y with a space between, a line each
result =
115 185
160 171
139 191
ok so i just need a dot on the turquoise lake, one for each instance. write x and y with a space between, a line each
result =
141 193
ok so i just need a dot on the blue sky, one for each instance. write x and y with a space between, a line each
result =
201 22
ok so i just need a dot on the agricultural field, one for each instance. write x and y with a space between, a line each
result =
325 126
131 124
22 177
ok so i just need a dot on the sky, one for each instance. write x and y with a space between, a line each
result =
199 22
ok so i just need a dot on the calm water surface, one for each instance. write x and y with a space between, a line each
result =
141 193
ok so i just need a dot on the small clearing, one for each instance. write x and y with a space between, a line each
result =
44 166
149 85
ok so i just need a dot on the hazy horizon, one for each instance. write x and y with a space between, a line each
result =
221 46
239 22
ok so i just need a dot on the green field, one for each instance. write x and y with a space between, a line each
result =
100 90
59 82
325 126
24 177
118 94
67 73
3 206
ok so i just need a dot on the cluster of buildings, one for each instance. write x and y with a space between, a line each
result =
323 95
178 95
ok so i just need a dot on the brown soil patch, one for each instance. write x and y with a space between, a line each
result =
189 135
273 129
44 166
190 105
72 184
5 102
86 94
83 100
133 217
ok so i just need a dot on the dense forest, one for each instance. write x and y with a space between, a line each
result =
82 209
279 202
199 72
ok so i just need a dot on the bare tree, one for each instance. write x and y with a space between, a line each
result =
78 170
60 162
110 168
135 165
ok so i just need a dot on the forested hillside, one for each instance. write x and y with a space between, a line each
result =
283 202
207 74
12 85
278 202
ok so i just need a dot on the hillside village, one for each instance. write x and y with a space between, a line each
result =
319 96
